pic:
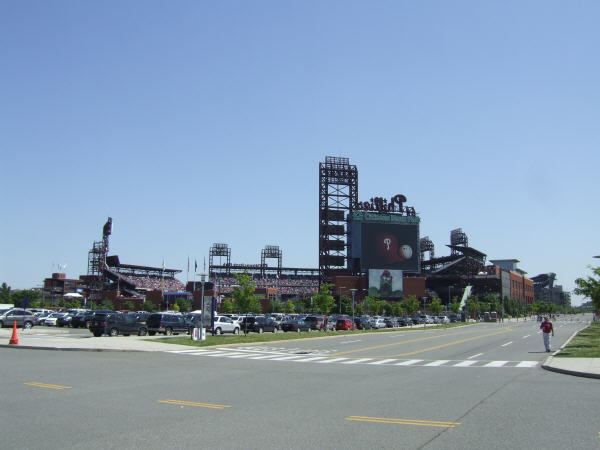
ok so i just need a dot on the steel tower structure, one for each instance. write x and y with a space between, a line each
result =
338 196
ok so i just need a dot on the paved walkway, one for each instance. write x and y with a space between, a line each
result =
60 339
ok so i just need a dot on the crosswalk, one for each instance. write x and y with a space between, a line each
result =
325 359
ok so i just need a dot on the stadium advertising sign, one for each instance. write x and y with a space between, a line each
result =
382 205
385 283
393 246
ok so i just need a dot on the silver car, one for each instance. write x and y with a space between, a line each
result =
25 319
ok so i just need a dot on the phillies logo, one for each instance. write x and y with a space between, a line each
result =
391 250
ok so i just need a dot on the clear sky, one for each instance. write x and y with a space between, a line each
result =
195 122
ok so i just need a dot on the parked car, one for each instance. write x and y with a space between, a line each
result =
295 325
246 323
315 322
361 323
25 319
114 323
390 322
82 319
262 324
65 320
404 321
224 324
443 319
379 323
168 324
344 324
50 320
426 319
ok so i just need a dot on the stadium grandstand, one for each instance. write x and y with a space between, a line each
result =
137 280
288 281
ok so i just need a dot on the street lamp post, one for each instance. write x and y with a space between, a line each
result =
353 292
340 297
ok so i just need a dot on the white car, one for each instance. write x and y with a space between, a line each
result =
443 319
379 323
50 321
224 324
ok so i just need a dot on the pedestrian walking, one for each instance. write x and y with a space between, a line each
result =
547 329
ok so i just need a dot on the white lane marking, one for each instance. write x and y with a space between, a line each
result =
263 357
437 363
287 358
409 363
507 344
383 361
316 358
527 364
525 337
237 355
332 360
215 354
350 342
495 364
357 361
475 356
465 364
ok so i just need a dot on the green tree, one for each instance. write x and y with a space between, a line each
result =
5 294
359 310
300 307
289 307
275 306
455 305
346 305
34 296
148 306
323 301
397 309
473 307
435 306
244 293
254 305
373 305
129 305
227 306
411 304
183 303
590 287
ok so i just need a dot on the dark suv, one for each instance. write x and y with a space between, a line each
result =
115 323
168 324
82 319
264 324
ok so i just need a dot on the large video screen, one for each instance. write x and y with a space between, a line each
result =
385 283
390 246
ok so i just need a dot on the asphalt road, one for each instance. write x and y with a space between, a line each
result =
362 391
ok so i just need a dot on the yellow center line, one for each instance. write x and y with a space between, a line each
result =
415 422
47 386
410 341
448 344
200 405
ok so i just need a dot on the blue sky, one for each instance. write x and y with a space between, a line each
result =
195 122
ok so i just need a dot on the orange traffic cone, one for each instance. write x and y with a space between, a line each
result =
14 340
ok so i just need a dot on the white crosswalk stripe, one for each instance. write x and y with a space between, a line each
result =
324 359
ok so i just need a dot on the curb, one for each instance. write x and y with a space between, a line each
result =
547 364
566 371
69 349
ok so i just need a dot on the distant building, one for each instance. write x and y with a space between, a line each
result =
56 287
546 291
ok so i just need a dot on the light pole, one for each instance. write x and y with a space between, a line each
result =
449 286
353 292
340 297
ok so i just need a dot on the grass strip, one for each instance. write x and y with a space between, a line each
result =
585 345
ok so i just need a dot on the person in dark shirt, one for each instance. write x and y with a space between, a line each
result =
547 329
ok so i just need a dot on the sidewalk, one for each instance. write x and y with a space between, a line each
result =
60 339
581 367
